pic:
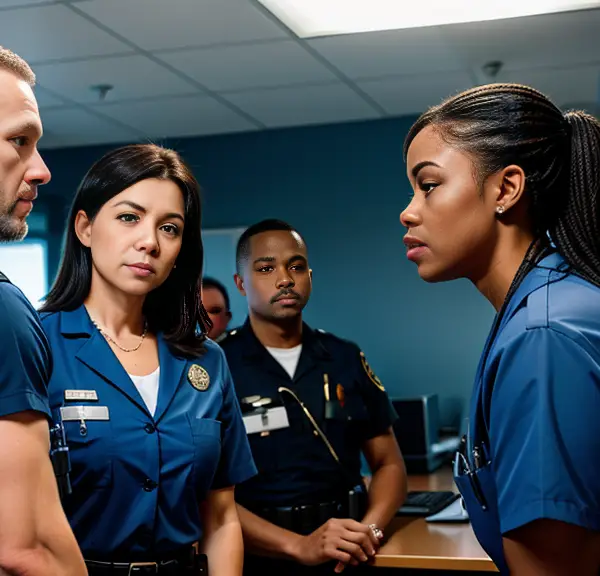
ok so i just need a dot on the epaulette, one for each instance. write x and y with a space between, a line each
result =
227 335
330 336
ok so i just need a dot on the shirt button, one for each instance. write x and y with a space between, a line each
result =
149 485
149 428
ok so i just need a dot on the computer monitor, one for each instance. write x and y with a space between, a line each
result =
417 432
417 427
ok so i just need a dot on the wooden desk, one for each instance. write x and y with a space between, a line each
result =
413 543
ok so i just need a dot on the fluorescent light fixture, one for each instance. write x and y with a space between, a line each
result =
311 18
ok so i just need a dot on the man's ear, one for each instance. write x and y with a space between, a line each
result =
239 283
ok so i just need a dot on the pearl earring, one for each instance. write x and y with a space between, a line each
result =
500 209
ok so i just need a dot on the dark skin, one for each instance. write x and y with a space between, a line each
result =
457 219
277 282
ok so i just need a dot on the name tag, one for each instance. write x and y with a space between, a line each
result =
81 395
272 419
78 413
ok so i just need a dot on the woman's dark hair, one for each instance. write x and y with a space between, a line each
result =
503 124
174 308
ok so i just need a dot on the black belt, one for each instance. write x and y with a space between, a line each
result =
196 565
303 519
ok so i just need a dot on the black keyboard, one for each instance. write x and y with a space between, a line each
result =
426 503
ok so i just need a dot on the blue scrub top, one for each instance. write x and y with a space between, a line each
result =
26 362
534 426
138 480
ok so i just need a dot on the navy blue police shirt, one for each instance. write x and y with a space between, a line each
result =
139 478
26 363
295 466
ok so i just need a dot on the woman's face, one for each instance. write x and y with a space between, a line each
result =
136 236
451 218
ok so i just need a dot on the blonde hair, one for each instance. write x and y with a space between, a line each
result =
12 63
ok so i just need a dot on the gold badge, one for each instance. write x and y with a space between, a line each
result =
198 377
370 372
339 392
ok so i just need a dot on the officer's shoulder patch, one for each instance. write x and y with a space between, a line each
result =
228 336
372 376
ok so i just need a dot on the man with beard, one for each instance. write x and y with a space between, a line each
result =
35 537
312 404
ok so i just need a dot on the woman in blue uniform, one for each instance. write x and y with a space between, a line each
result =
506 194
152 422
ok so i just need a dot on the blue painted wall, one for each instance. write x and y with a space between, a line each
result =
343 186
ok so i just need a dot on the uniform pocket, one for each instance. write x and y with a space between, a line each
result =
347 406
206 436
346 425
266 446
90 452
478 490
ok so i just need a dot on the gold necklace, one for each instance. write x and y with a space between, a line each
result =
107 336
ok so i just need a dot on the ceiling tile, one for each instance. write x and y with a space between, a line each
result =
131 76
187 116
47 100
414 94
76 127
304 105
157 24
54 32
565 86
522 43
258 65
4 4
411 51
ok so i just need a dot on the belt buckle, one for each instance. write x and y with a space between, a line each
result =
134 566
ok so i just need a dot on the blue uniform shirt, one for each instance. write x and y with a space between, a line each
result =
138 480
295 466
534 427
26 362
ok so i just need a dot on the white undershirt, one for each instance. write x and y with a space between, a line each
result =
287 357
148 388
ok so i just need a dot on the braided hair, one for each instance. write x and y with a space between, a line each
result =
503 124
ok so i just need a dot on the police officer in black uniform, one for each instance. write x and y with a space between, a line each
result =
311 405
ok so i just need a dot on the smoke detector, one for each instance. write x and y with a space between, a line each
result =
102 90
492 68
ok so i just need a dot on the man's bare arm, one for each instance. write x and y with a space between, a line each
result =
35 537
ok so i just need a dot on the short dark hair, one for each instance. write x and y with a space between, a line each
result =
13 63
242 250
503 124
174 308
208 282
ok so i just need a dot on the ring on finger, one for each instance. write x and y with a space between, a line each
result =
376 531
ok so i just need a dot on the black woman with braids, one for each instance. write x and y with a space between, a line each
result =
506 194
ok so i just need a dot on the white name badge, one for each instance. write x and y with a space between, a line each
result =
78 413
272 419
81 395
